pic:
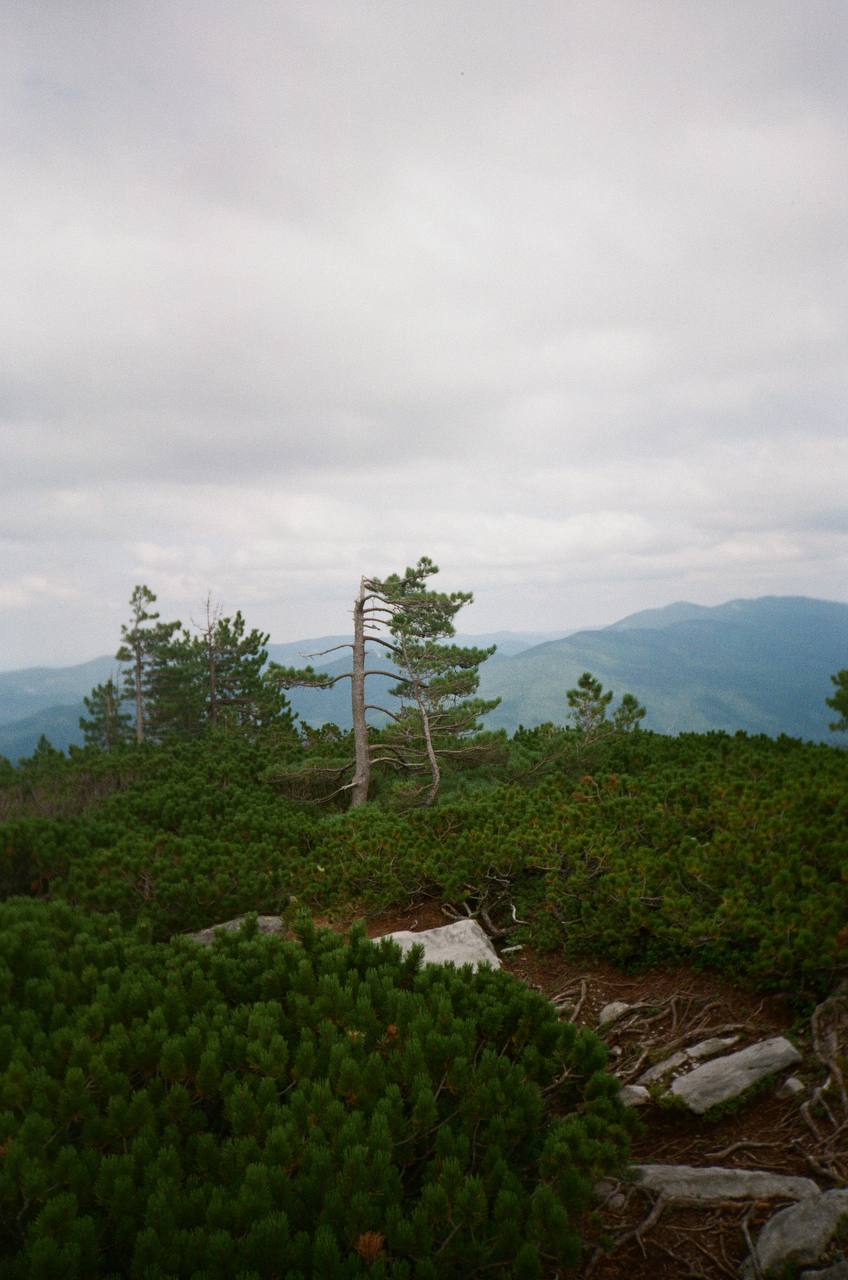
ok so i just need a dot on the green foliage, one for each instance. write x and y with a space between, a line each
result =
264 1108
839 701
728 852
589 707
147 649
108 726
437 681
182 685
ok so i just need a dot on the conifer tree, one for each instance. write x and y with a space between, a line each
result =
108 726
839 701
237 694
434 681
437 681
143 647
589 706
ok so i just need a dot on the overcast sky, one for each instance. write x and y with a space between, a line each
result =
552 292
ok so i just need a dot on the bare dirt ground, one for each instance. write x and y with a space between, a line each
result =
633 1235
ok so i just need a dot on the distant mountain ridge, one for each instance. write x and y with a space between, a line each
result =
761 665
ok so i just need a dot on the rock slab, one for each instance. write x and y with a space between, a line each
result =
686 1057
800 1233
264 924
726 1078
684 1182
461 943
839 1271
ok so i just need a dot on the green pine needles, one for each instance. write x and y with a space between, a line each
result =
266 1108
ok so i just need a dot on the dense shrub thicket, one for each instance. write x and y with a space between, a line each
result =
324 1108
319 1108
725 851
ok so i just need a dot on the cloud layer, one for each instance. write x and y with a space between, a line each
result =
293 292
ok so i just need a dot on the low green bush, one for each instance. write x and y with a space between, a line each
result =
268 1108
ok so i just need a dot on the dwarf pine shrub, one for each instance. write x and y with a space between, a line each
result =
268 1108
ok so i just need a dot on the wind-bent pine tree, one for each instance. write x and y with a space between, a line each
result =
108 726
433 681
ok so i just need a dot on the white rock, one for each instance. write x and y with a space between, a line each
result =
790 1088
800 1233
611 1012
683 1058
683 1182
725 1078
634 1095
461 943
264 924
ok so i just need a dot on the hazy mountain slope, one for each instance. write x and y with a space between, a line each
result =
24 693
59 724
758 665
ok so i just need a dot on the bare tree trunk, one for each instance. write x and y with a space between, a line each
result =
362 772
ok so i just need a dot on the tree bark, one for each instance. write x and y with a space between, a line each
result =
362 769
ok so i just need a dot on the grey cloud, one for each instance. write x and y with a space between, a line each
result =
556 294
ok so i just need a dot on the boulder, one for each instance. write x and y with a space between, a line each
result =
790 1088
264 924
611 1012
461 943
726 1078
634 1095
683 1182
801 1233
685 1057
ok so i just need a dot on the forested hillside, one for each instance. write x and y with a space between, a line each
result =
757 665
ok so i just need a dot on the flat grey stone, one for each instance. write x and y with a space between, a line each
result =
611 1012
685 1057
683 1182
264 924
800 1233
726 1078
839 1271
634 1095
461 943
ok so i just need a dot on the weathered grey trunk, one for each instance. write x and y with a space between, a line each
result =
362 770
